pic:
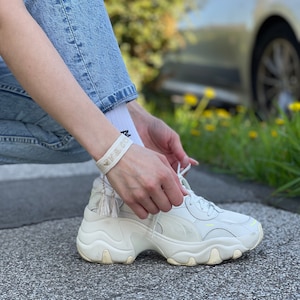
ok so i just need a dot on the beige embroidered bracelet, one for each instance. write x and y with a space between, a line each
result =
114 154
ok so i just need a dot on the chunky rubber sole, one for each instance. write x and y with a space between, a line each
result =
120 240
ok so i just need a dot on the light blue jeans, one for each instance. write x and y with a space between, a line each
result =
81 32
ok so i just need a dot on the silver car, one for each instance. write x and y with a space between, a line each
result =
248 50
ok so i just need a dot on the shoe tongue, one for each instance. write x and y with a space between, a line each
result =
202 204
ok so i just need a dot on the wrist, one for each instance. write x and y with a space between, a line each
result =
114 154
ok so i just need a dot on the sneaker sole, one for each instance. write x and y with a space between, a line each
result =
121 240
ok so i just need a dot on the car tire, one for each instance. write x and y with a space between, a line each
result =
275 70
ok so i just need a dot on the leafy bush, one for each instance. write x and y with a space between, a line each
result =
146 30
240 144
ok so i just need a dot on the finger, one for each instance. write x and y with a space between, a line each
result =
149 204
174 191
161 200
186 160
139 210
172 186
184 163
193 161
178 152
142 205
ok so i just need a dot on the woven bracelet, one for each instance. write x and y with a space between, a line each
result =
114 154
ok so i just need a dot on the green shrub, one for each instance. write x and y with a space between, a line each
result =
240 144
146 30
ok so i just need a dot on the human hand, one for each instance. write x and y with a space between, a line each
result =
146 182
158 136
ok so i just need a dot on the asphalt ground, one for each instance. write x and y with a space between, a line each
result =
41 210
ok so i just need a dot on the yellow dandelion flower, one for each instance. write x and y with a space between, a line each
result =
210 127
279 121
252 134
295 106
190 99
208 114
223 113
274 133
209 93
195 132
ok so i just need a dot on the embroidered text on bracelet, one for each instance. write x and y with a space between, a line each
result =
114 154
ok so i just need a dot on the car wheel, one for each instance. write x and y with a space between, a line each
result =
276 71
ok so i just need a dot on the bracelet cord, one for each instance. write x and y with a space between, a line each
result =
114 154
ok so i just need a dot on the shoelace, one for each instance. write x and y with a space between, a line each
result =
203 204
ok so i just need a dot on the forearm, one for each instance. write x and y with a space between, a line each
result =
143 179
43 74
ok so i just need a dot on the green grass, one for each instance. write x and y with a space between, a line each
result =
238 143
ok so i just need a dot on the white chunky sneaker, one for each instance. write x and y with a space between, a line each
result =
197 232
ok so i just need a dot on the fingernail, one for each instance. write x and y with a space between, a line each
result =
194 161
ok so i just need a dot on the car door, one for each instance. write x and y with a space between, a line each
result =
217 28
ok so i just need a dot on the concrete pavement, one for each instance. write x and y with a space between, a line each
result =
40 216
